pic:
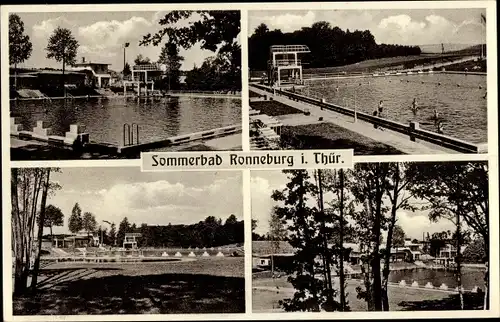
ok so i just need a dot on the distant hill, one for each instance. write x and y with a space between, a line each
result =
436 48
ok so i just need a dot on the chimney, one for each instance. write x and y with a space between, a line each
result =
83 59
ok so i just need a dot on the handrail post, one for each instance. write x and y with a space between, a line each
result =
413 126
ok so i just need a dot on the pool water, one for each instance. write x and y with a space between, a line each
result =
459 100
470 277
104 119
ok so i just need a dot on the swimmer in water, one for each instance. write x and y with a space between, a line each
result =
414 106
436 116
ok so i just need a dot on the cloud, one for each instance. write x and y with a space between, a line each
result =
289 22
403 29
415 224
388 26
114 31
261 190
45 28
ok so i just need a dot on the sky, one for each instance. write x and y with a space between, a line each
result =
111 193
263 183
404 27
101 36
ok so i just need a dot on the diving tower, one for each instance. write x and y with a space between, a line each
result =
144 74
284 64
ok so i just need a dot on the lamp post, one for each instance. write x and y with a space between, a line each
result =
124 46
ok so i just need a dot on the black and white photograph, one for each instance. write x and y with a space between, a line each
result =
89 241
108 85
401 236
405 81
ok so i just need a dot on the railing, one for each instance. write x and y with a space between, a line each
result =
288 62
411 130
289 48
224 92
146 67
128 134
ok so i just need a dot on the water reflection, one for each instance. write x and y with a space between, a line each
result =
103 119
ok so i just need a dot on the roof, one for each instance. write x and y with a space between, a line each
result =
90 63
23 76
56 72
265 247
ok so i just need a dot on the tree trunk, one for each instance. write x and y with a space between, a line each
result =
15 76
341 241
63 80
458 259
376 232
310 264
20 279
387 254
486 305
327 262
36 267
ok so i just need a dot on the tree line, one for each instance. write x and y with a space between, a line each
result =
323 211
330 46
211 232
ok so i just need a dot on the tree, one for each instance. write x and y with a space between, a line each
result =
369 185
474 252
20 46
30 188
306 235
75 222
126 70
398 237
216 30
112 234
62 47
169 57
139 60
53 217
89 224
231 220
277 233
123 228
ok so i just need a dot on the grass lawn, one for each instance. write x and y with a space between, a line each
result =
213 285
400 299
253 94
273 108
331 136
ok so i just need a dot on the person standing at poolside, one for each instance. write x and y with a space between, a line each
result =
380 108
440 127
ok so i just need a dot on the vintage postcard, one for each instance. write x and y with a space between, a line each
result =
250 161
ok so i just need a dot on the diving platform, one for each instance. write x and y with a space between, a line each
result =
284 64
143 74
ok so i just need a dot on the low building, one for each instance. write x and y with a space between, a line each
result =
79 240
265 252
99 72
